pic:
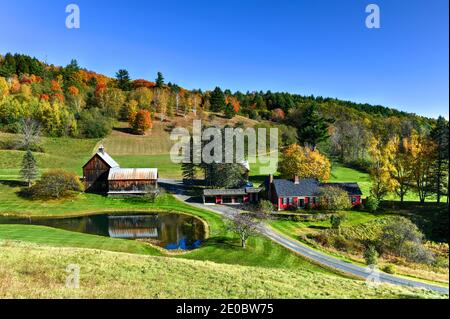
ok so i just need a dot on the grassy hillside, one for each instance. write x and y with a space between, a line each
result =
118 275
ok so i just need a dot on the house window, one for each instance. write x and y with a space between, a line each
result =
353 200
284 201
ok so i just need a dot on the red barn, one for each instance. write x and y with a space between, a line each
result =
302 193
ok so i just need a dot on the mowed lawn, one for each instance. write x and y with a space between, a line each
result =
118 275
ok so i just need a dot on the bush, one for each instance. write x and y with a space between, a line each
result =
334 198
389 269
372 204
336 220
401 237
56 184
93 124
371 255
265 207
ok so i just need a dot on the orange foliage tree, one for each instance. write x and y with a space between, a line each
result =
142 122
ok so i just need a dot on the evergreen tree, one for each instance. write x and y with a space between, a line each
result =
440 135
159 80
229 111
217 100
123 80
312 127
29 168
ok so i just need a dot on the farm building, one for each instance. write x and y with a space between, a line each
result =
231 196
103 174
302 193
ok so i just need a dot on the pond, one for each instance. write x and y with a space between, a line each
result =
168 230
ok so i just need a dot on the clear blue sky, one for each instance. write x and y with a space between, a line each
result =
319 47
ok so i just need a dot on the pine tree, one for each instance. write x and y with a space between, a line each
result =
159 80
123 80
217 100
440 135
229 111
29 168
312 128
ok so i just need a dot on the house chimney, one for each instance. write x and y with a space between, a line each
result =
101 149
296 180
269 187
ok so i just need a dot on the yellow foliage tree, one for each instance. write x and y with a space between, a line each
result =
382 168
304 163
4 87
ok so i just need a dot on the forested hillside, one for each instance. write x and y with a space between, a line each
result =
402 151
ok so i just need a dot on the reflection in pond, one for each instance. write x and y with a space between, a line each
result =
168 230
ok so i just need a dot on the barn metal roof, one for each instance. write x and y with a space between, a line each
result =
237 191
121 174
108 159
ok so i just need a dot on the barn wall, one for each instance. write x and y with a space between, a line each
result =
95 174
132 185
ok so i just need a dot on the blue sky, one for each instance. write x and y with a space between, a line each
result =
319 47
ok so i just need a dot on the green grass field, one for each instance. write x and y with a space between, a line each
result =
118 275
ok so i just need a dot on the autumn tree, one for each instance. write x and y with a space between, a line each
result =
110 101
304 163
422 158
128 111
143 96
381 170
142 122
401 170
4 87
162 103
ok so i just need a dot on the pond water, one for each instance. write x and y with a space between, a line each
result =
168 230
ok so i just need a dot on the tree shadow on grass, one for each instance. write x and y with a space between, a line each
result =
221 241
12 183
318 227
126 130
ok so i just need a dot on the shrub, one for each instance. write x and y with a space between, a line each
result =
334 198
265 207
93 124
371 255
389 269
56 184
402 238
372 204
336 220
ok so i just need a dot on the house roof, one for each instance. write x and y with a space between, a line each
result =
305 187
237 191
121 174
350 188
310 187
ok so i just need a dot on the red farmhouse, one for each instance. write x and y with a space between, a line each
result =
301 193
